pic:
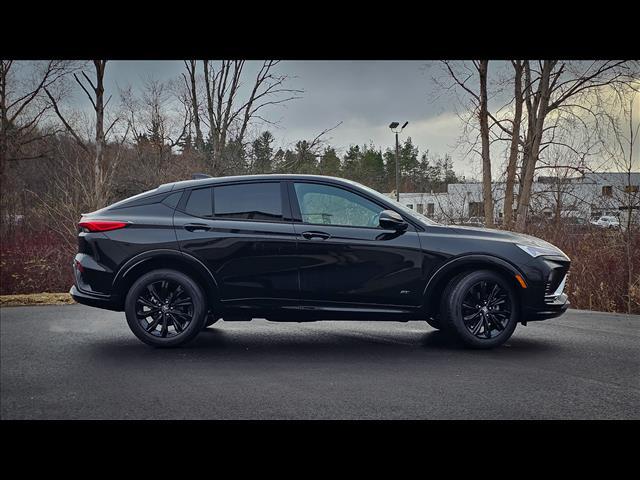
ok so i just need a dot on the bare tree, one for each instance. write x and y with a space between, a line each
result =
228 115
152 116
67 194
483 116
623 135
192 95
22 107
537 110
103 166
514 148
481 112
555 95
25 135
158 119
562 88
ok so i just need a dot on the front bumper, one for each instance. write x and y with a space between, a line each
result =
93 300
545 298
547 310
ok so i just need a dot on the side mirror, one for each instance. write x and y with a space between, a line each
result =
390 220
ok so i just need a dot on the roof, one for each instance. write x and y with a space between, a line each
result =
239 178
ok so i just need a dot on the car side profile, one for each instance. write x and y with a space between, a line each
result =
302 248
607 221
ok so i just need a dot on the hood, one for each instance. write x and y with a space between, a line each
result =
501 235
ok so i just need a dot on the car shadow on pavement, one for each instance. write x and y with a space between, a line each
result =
216 344
437 340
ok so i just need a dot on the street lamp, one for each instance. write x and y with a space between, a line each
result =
394 128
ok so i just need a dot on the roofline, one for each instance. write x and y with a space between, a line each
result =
239 178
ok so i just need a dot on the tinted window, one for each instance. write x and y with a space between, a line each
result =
172 200
199 203
249 201
322 204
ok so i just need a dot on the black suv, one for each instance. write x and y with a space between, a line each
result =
302 248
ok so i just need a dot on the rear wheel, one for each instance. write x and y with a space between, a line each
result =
480 308
165 308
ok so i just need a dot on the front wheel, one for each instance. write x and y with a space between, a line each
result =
480 308
165 308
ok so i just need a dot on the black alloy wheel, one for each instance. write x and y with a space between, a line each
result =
486 309
165 308
479 308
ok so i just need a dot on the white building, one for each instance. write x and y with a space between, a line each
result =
588 196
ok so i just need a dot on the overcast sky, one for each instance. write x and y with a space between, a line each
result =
364 95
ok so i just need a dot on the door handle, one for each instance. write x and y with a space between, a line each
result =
197 227
320 235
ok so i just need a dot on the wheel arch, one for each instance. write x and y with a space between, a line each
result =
171 259
439 280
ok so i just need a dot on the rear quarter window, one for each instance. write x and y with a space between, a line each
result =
199 203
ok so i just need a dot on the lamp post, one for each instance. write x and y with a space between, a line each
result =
394 128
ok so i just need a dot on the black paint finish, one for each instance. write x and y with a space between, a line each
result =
270 262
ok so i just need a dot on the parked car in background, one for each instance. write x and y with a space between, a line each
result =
607 221
301 248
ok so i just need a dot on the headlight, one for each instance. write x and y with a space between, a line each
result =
536 251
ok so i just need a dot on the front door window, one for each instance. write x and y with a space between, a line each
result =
327 205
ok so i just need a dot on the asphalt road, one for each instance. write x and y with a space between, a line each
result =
75 362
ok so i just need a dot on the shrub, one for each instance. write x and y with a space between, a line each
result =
600 263
34 262
40 261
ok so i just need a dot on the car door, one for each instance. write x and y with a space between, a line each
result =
346 259
244 234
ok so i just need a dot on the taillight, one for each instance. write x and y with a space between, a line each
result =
101 225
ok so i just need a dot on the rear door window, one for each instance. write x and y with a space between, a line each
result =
248 201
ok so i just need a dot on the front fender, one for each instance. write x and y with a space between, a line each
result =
472 260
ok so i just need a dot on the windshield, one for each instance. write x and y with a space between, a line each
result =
406 210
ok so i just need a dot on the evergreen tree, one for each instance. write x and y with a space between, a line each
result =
351 162
371 169
234 159
263 153
278 163
330 163
409 166
449 176
305 159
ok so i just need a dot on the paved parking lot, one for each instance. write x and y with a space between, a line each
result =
75 362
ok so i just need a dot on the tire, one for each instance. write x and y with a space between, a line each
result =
464 314
175 307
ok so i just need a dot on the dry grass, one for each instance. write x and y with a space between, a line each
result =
35 299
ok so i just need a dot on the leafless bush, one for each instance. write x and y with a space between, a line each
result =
600 266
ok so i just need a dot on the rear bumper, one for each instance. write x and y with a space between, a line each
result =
92 300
